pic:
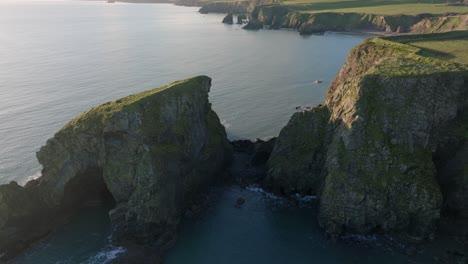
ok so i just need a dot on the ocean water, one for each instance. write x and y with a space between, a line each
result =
60 58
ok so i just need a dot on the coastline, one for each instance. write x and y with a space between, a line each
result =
171 242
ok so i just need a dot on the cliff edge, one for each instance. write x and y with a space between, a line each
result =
378 150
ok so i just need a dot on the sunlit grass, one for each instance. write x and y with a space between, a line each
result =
382 7
406 9
450 46
452 50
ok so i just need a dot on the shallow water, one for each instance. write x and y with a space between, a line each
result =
60 58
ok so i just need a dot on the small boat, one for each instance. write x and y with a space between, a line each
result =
317 81
110 1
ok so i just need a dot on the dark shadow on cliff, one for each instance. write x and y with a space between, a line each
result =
88 189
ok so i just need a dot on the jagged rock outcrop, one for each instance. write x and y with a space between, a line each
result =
440 24
253 25
151 153
228 19
368 152
241 19
297 158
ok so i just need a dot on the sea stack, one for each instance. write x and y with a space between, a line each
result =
151 153
386 151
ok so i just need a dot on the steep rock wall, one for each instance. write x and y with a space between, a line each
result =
390 110
153 152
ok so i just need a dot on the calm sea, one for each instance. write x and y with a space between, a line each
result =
60 58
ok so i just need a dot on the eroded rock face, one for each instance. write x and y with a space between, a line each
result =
153 152
228 19
297 159
369 151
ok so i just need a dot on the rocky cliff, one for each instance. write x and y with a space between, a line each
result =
149 153
276 16
370 151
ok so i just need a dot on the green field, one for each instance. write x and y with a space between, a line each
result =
452 50
381 7
451 46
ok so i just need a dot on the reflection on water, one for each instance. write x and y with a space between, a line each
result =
59 58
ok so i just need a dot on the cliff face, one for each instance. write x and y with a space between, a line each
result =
281 16
151 153
387 114
440 24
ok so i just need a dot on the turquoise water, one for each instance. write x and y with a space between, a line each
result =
267 230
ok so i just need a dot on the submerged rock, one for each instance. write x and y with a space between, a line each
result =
151 153
368 152
239 202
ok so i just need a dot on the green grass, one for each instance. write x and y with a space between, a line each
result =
403 58
452 46
451 50
97 115
381 7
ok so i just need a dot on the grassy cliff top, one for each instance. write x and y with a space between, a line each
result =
380 7
134 102
451 46
414 55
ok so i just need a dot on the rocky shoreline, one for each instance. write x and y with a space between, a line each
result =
271 14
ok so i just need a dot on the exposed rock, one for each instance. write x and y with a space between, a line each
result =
152 153
262 151
296 161
441 24
228 19
369 150
253 25
243 146
279 16
241 19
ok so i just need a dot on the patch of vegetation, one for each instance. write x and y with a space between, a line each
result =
98 115
381 7
423 54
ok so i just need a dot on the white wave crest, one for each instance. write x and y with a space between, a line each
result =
261 191
106 255
225 123
304 198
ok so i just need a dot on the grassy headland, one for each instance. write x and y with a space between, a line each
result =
316 16
378 7
452 46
